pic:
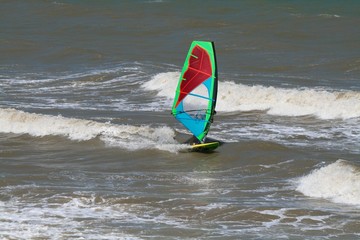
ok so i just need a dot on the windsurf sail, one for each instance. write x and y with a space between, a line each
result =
195 96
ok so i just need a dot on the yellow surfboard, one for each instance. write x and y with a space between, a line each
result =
204 147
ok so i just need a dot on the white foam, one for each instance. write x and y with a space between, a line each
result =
328 15
338 182
281 215
289 102
323 104
164 83
47 219
124 136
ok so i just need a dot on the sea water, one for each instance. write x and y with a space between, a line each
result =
88 146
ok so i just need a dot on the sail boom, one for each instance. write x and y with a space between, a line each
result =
197 95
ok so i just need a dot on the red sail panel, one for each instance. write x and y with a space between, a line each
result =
198 71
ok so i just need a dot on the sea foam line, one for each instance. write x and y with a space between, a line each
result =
124 136
233 97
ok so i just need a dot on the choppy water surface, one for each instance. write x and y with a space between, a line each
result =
89 150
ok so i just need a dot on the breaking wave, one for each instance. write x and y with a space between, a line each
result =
124 136
233 97
338 182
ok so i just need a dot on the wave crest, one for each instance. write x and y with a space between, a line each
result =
338 182
124 136
233 97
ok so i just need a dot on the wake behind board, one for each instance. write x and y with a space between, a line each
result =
196 92
204 147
